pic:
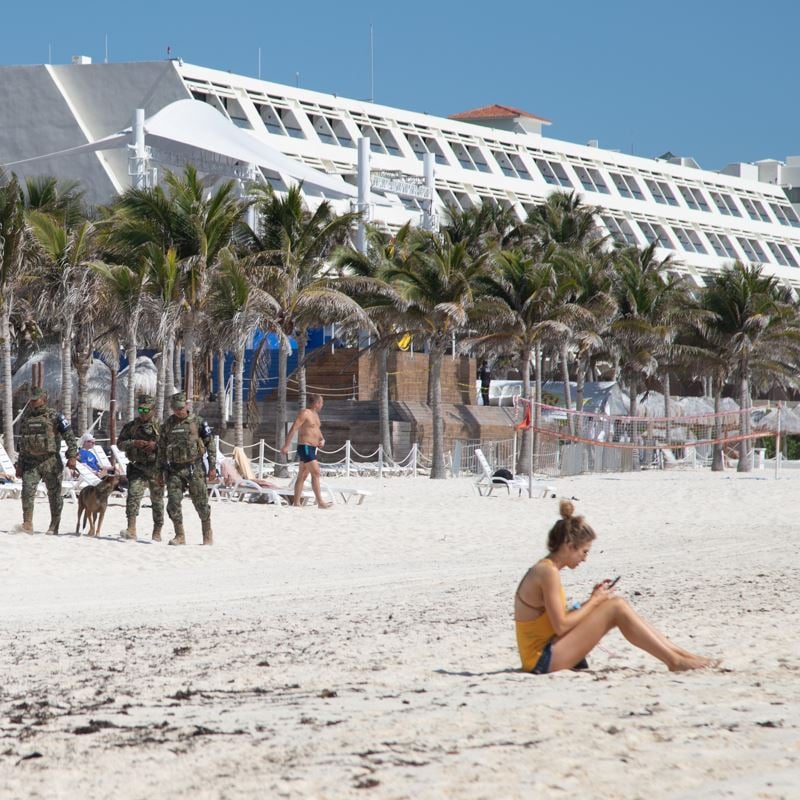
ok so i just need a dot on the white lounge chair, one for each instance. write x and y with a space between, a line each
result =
487 482
668 459
13 487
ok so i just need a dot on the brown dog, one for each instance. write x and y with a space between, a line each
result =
92 502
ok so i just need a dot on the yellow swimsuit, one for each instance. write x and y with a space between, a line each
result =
533 635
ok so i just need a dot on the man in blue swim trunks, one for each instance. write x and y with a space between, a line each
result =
309 438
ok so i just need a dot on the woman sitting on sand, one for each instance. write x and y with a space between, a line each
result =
551 638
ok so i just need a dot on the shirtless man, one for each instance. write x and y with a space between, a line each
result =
309 438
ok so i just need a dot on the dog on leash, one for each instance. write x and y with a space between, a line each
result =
92 503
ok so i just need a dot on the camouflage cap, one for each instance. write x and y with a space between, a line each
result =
145 400
37 392
178 400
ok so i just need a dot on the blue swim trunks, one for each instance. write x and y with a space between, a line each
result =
306 452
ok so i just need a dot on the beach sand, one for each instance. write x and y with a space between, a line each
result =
368 651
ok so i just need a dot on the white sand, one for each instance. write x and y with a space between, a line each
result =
368 651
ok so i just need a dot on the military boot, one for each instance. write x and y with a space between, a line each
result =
130 531
156 532
208 536
52 529
179 537
26 526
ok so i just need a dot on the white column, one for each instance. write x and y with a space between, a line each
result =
363 193
429 168
138 158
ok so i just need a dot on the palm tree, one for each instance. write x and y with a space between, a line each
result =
191 219
565 221
236 310
519 314
164 302
648 312
12 255
752 326
292 246
124 289
440 286
62 281
363 280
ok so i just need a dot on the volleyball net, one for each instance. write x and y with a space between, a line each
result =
572 442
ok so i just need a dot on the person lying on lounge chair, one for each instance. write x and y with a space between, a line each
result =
551 638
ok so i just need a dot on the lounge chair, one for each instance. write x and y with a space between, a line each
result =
669 461
13 487
487 482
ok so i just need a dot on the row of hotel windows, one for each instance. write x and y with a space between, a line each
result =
622 231
279 119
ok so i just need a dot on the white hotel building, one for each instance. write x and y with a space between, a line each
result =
704 219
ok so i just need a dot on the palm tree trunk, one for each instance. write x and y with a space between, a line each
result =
280 416
537 407
175 359
164 374
238 397
435 383
133 353
567 387
66 370
383 401
302 340
580 383
221 386
188 358
745 453
112 407
717 462
8 390
429 391
526 433
667 390
82 363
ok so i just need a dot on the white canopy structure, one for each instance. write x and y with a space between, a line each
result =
189 126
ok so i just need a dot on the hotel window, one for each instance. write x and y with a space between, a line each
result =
788 255
590 179
433 147
521 169
724 202
290 123
752 250
341 132
722 245
553 172
689 240
272 122
656 233
627 185
785 215
323 129
778 253
504 162
621 231
661 192
462 155
478 158
754 209
686 192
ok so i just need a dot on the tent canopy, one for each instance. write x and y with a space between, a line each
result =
198 125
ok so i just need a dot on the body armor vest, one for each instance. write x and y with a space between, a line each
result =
183 442
38 436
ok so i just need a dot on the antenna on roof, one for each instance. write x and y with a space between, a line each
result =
106 60
371 66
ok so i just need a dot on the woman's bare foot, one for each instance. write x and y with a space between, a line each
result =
683 663
324 505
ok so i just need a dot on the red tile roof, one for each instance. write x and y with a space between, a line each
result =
495 111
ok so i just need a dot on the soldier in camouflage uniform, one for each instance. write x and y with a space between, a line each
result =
184 439
40 435
139 440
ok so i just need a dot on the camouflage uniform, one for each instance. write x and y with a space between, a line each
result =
40 433
142 470
181 447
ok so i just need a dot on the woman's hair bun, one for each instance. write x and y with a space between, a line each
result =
565 508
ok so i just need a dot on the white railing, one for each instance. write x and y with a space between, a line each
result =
350 462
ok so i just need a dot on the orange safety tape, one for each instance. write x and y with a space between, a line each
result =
568 437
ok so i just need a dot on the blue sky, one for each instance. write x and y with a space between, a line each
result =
710 79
